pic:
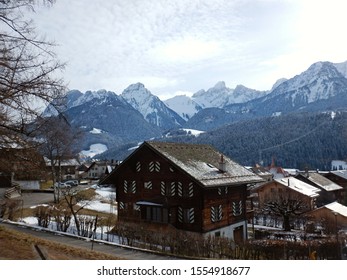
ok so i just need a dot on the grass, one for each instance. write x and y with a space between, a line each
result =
20 246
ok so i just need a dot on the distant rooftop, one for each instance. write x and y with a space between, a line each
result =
299 186
340 173
338 208
322 182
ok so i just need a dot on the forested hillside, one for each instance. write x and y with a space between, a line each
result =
309 140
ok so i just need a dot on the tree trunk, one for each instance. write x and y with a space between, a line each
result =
286 223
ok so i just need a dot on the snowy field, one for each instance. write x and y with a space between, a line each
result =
103 202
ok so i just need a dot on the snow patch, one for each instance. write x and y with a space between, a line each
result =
94 150
193 131
96 131
333 115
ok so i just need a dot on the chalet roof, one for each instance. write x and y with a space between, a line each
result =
337 207
340 173
322 181
202 163
260 170
299 186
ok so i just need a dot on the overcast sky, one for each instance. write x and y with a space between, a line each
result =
174 46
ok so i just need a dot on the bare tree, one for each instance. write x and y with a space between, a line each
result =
59 142
76 202
286 205
28 72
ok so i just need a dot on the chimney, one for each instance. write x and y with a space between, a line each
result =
222 167
306 172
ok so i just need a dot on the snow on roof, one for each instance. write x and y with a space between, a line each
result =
299 186
340 173
202 163
323 182
338 208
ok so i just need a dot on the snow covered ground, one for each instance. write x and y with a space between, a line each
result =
104 202
94 150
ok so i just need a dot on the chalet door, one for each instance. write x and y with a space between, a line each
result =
238 234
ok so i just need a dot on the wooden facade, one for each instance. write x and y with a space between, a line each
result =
329 191
185 186
288 188
340 178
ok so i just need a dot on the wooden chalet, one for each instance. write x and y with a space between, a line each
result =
339 177
288 188
330 191
190 187
333 214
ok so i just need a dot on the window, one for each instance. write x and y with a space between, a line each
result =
186 215
236 208
133 186
168 189
129 187
125 186
216 213
148 185
156 214
185 191
138 166
154 166
222 191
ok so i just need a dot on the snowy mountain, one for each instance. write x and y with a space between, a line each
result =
107 119
320 81
183 105
242 94
220 96
217 96
151 107
322 87
342 68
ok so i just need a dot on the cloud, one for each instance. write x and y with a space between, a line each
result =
181 45
186 50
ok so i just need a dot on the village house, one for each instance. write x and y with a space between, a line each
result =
99 169
189 187
330 191
288 188
24 168
332 215
67 168
339 177
262 172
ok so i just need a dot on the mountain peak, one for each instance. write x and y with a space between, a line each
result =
135 87
219 85
151 107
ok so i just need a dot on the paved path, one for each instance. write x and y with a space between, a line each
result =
114 249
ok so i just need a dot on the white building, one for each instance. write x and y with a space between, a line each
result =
338 165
